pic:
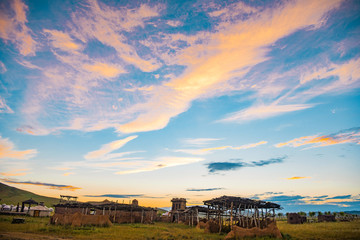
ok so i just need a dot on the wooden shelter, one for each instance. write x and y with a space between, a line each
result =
242 212
29 202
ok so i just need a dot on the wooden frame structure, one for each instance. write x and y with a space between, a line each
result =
243 212
117 212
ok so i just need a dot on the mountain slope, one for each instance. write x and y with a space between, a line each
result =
12 195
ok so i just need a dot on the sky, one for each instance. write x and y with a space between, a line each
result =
197 99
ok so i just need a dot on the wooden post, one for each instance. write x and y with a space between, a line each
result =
192 219
231 215
103 210
274 214
142 216
131 219
265 217
115 212
197 216
208 213
240 215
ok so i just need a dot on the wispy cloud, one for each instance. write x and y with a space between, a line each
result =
68 173
227 166
13 27
3 68
161 162
7 150
203 189
251 145
263 111
246 146
200 141
4 108
296 178
117 195
340 197
286 198
351 135
205 151
49 185
104 152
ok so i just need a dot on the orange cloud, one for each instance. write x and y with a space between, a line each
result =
13 28
351 135
62 40
296 178
7 150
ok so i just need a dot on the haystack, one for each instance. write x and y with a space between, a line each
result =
239 232
212 227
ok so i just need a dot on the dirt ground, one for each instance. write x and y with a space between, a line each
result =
27 236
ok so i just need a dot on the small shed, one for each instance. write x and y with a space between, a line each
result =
39 211
295 218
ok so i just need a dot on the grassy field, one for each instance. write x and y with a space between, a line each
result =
38 228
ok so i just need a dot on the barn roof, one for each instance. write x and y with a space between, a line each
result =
243 203
112 205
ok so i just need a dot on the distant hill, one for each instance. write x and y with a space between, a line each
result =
12 195
354 212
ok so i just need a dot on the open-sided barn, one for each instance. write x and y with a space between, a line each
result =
117 212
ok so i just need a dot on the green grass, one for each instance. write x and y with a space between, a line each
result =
39 227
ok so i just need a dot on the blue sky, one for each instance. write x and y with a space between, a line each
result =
194 99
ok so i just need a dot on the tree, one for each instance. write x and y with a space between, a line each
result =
311 214
302 213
